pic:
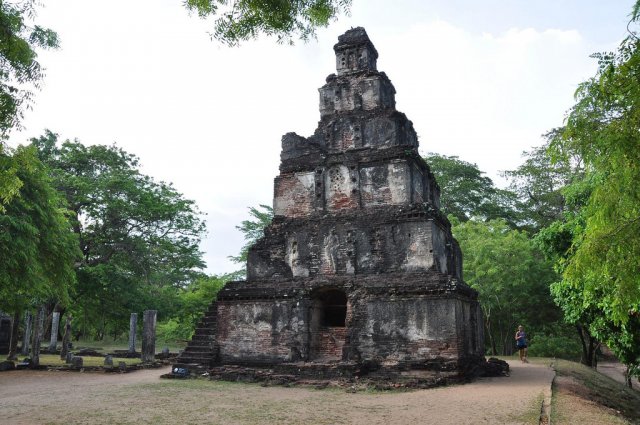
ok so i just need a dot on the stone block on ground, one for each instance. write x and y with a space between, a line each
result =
76 362
7 365
108 361
496 367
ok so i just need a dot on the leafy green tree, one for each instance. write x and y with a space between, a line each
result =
556 240
241 20
552 193
252 229
466 193
539 183
10 183
193 303
37 247
512 278
598 244
602 268
139 239
20 71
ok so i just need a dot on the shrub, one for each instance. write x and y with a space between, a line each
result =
560 346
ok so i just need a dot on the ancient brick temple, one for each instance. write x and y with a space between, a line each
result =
359 267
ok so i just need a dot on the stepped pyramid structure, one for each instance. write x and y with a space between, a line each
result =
358 268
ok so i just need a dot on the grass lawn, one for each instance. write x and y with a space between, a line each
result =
581 394
54 360
109 345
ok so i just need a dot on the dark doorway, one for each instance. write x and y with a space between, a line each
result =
328 324
334 306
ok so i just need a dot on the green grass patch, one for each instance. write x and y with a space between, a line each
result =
89 361
599 389
110 345
532 414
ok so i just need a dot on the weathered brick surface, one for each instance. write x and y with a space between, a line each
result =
294 194
359 268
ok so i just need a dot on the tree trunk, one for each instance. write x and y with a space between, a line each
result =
13 342
627 377
589 347
492 341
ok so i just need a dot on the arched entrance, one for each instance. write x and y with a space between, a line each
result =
328 324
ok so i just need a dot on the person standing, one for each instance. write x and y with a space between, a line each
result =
521 344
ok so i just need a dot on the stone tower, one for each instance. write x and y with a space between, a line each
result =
359 267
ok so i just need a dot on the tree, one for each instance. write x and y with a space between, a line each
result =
10 183
602 267
552 193
20 71
241 20
193 303
467 193
252 231
511 276
37 247
139 239
539 182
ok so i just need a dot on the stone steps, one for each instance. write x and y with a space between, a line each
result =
198 349
199 355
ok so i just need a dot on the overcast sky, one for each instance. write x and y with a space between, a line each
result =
479 79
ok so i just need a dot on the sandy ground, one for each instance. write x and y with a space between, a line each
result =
28 397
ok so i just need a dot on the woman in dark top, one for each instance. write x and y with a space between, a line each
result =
521 344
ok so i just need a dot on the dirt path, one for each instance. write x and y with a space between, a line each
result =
616 371
61 397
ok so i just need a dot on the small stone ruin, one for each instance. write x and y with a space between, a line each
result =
358 275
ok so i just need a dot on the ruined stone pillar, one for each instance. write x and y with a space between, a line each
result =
66 338
26 338
133 323
149 335
55 322
37 338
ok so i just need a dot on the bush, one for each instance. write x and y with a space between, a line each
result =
560 346
172 331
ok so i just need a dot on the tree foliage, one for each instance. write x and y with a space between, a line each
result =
37 247
240 20
20 71
10 183
139 239
193 302
539 183
252 229
511 276
467 193
601 267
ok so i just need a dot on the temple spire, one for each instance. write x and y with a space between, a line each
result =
355 52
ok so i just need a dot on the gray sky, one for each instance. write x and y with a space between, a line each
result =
481 80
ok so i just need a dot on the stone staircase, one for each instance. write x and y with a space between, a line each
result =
201 352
